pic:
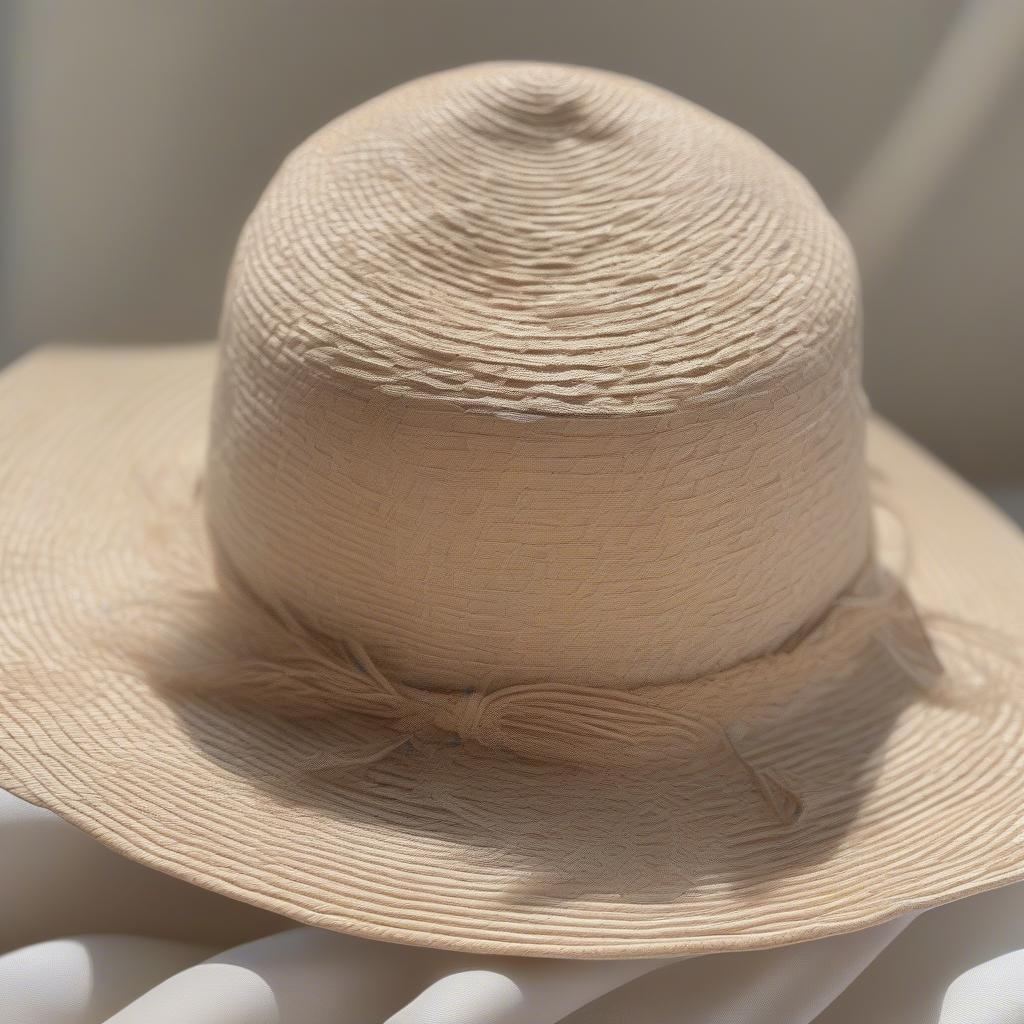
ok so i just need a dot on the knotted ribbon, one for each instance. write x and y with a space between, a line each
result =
267 657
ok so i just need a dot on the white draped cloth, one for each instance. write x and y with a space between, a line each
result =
89 937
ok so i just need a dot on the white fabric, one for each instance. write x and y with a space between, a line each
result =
87 978
961 964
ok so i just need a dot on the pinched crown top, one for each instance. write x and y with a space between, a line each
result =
542 239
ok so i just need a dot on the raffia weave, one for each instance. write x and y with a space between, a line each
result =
528 591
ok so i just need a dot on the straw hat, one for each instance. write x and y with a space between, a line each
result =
542 583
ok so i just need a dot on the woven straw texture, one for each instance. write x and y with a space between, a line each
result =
541 584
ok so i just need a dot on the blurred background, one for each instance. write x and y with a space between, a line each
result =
136 136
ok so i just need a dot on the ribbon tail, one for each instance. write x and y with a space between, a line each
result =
784 802
353 757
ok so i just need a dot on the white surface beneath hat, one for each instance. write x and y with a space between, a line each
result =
209 960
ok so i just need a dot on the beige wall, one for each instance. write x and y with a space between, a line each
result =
138 133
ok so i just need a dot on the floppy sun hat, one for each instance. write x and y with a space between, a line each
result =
542 583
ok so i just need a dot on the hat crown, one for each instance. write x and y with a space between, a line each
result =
534 373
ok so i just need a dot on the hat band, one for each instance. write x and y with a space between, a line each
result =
263 656
606 727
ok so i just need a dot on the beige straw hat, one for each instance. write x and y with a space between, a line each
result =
542 583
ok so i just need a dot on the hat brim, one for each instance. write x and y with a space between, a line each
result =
910 799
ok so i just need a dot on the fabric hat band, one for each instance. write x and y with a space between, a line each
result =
283 664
